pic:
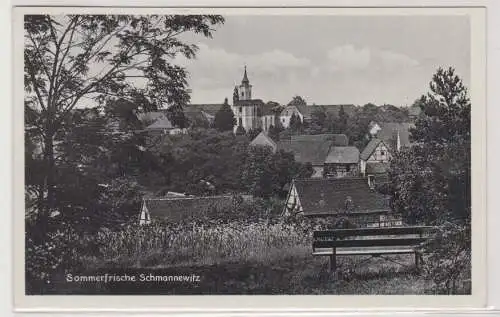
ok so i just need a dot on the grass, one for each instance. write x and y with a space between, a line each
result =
258 258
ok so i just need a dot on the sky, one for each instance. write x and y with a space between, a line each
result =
329 59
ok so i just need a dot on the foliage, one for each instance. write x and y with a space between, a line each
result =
297 101
240 130
236 96
99 59
448 263
295 123
431 180
252 133
265 173
202 156
224 118
274 132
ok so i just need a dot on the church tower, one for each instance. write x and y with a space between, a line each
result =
245 89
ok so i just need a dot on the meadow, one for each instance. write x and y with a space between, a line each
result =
235 258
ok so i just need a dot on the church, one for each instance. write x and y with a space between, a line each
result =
250 113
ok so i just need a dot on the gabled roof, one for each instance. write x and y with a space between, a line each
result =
186 208
369 148
267 110
342 155
328 196
337 139
306 151
389 130
262 139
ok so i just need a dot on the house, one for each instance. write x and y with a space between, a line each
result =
376 153
324 152
305 151
312 149
182 208
351 198
342 161
263 139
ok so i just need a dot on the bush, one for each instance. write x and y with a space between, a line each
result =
448 259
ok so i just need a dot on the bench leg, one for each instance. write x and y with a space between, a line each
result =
333 260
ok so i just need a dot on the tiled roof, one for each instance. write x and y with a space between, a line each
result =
369 148
377 167
323 196
343 155
263 139
305 151
186 208
337 139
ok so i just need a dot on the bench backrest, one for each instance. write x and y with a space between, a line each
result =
371 237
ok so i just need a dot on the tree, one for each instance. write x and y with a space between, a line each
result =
240 130
224 118
318 121
73 59
295 123
432 179
236 96
252 133
297 101
274 132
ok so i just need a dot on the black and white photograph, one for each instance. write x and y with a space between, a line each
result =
248 154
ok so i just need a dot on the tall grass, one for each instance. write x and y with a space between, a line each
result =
158 245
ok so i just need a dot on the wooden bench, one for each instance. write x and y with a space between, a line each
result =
369 241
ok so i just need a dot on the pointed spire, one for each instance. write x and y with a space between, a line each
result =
245 77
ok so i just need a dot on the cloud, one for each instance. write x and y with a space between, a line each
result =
349 58
217 67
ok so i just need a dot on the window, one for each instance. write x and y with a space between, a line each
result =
371 181
382 152
241 109
240 122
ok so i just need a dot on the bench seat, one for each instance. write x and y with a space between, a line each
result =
364 252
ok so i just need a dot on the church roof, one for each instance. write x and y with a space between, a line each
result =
326 196
245 77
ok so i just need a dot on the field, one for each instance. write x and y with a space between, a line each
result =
256 258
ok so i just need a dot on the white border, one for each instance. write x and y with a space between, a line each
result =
491 61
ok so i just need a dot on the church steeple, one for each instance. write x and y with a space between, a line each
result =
245 89
245 77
